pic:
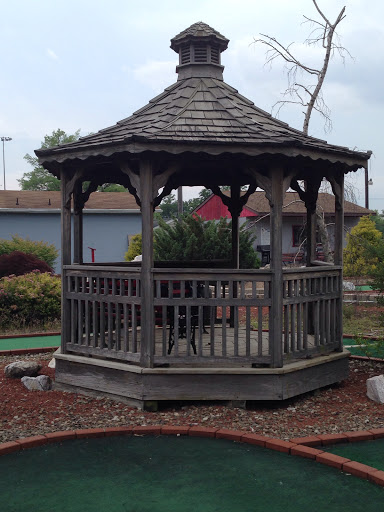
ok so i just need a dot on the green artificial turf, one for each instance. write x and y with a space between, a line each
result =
29 342
169 474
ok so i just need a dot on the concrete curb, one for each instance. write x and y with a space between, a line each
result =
300 447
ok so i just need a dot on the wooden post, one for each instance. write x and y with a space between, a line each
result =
77 225
338 189
180 202
147 290
235 201
276 224
65 260
311 236
234 210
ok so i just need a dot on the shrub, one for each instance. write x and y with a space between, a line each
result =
42 250
18 263
134 248
30 298
192 238
359 260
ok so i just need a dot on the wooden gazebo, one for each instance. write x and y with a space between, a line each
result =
147 332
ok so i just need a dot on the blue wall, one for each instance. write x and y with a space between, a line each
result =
107 233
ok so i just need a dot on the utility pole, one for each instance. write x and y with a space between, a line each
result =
4 139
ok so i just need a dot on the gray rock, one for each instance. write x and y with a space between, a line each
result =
20 369
40 383
375 389
348 286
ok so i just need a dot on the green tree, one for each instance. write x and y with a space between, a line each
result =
379 221
360 253
39 178
191 238
134 248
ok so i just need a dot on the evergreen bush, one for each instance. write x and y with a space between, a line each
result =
192 238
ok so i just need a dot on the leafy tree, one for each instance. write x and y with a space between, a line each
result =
191 238
112 187
361 252
39 178
379 221
135 248
169 207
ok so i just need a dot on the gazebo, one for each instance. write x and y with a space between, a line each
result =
166 331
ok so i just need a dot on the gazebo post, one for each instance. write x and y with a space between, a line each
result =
147 289
235 200
338 189
77 224
276 314
65 259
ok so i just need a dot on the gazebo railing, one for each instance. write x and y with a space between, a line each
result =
201 316
103 311
312 300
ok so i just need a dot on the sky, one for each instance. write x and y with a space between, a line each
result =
90 63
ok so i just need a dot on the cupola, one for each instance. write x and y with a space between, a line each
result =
199 48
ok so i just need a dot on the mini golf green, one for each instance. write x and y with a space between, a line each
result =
29 342
356 350
140 474
370 453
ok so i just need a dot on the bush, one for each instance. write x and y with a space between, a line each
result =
18 263
42 250
359 257
192 238
134 248
30 298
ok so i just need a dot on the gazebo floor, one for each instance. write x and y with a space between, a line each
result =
145 387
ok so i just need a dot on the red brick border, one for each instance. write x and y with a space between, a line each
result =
301 447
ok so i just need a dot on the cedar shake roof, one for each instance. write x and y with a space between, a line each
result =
201 113
31 199
293 205
198 31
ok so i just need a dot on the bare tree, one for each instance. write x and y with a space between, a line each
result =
300 93
309 95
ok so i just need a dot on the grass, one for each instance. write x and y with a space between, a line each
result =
363 320
20 328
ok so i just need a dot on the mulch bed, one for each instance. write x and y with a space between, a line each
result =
341 408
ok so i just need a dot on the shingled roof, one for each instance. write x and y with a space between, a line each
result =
45 200
292 205
201 113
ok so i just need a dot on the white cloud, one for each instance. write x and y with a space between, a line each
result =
156 74
52 54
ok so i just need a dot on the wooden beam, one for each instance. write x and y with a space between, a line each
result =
147 291
77 224
65 260
276 224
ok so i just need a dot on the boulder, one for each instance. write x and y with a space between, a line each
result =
40 383
348 286
20 369
375 389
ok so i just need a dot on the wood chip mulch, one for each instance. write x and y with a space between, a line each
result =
340 408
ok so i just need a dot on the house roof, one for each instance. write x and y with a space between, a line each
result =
44 200
258 204
201 113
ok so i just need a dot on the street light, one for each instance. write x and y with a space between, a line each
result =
4 139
